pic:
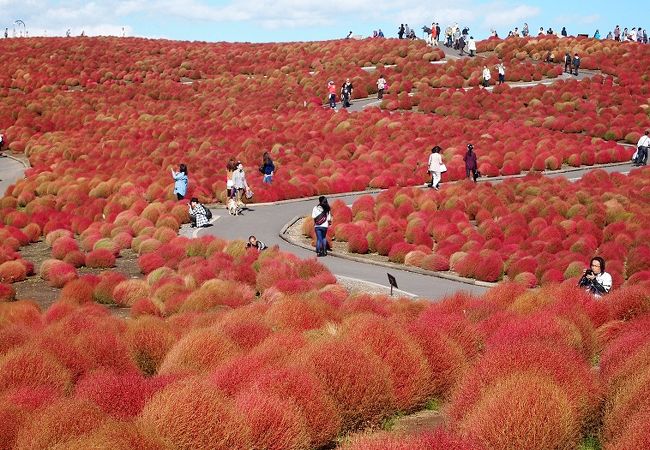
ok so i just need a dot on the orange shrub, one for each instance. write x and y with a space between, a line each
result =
362 391
171 414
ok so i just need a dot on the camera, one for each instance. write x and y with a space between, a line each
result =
589 272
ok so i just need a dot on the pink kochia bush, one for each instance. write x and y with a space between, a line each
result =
532 230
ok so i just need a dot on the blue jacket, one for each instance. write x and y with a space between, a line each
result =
180 183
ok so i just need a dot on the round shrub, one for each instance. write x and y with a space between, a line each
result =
198 351
171 415
59 423
362 391
12 271
100 258
522 410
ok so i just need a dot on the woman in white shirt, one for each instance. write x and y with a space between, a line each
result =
322 216
435 167
486 76
595 279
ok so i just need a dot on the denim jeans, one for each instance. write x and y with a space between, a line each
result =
267 179
332 100
321 239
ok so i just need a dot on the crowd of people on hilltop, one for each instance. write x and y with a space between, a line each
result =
636 34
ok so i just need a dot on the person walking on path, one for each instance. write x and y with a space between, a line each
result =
471 46
438 32
2 144
267 168
471 165
486 76
567 63
180 182
524 31
400 32
346 93
407 30
501 69
381 85
239 184
434 35
436 167
231 166
198 214
322 216
563 32
597 35
617 33
331 91
642 149
576 63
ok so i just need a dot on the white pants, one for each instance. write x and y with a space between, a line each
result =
435 178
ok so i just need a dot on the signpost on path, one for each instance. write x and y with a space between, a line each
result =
393 283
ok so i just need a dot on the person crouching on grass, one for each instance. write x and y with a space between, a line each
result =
255 244
198 214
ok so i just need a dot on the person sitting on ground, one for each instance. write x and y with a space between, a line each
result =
595 280
180 182
198 214
471 165
254 243
642 150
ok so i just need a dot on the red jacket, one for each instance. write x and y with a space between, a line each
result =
470 161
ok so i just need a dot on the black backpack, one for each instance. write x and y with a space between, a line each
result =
208 213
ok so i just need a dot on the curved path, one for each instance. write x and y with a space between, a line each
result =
11 170
266 221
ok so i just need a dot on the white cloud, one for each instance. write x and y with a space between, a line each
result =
501 15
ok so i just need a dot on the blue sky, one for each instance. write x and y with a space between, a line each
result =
291 20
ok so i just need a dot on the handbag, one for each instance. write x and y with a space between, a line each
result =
443 168
249 193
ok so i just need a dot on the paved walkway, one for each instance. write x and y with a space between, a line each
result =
266 222
11 170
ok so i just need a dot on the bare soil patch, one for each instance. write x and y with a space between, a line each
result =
37 289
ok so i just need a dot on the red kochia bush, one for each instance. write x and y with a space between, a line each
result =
522 410
275 423
59 423
308 394
198 351
439 439
564 368
12 271
189 415
100 258
120 395
409 370
362 390
29 366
